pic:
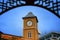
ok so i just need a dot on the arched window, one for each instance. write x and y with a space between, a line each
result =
29 35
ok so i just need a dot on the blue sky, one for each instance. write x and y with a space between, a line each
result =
11 22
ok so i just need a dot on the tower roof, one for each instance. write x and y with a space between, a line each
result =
30 15
1 32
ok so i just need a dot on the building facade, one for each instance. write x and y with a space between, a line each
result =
30 29
51 36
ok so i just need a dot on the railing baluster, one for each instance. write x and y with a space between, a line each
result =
57 6
2 4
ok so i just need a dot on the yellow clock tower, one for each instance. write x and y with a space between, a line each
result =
30 30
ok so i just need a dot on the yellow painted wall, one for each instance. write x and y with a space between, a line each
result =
33 29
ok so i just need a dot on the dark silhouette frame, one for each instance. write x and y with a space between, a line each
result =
50 5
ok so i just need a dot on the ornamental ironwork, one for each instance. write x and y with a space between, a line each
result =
51 5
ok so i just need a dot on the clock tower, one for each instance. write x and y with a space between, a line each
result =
30 30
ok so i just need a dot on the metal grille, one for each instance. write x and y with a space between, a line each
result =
51 5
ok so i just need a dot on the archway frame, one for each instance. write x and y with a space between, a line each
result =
55 9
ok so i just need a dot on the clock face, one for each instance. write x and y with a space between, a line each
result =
29 23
